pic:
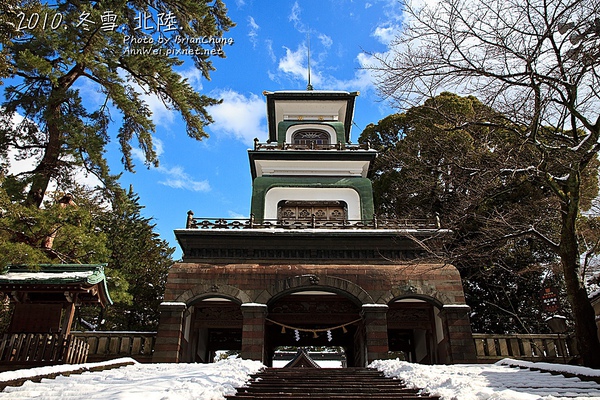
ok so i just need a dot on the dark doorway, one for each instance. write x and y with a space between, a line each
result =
215 326
414 331
314 319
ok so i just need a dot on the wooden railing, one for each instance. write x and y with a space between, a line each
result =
532 347
110 345
38 349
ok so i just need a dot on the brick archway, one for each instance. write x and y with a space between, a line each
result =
315 282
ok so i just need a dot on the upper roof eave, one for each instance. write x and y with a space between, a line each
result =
58 274
314 95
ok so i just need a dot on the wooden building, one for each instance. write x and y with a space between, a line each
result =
44 299
313 265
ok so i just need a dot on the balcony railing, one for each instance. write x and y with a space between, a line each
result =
311 146
312 223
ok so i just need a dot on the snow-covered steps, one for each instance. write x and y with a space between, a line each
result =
325 383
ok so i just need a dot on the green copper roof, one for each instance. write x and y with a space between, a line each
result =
56 274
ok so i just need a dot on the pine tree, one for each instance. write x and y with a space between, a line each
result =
114 46
140 259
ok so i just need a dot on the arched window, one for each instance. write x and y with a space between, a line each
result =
310 136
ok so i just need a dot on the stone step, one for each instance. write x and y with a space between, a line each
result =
348 396
325 383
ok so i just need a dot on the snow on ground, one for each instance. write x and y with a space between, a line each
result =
489 382
144 382
214 381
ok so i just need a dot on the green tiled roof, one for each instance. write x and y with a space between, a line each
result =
56 274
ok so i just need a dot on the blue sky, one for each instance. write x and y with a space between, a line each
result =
212 177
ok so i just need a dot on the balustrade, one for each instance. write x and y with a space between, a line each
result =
530 347
26 350
110 345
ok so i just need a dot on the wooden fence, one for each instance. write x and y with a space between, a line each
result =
110 345
25 350
533 347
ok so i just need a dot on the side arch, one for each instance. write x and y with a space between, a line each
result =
421 292
210 289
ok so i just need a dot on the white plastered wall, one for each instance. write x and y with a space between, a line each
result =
277 194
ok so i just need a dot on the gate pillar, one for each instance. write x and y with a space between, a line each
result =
460 337
376 331
253 331
169 339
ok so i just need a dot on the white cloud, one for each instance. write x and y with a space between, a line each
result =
295 13
253 34
138 154
295 65
326 41
386 33
362 80
233 214
368 5
177 178
269 45
240 3
294 62
239 116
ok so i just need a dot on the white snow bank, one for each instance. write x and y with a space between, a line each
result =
144 382
57 369
486 382
570 369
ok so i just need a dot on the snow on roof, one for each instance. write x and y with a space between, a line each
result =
57 275
41 276
53 273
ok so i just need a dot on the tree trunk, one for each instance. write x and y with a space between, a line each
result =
586 330
48 166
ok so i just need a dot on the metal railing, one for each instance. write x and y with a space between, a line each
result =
311 146
311 223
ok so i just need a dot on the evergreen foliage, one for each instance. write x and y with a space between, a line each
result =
123 50
62 131
448 158
140 260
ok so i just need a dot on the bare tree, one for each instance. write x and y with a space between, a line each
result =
536 61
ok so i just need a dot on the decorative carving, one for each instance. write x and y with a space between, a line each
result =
313 279
313 307
214 288
408 314
218 313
